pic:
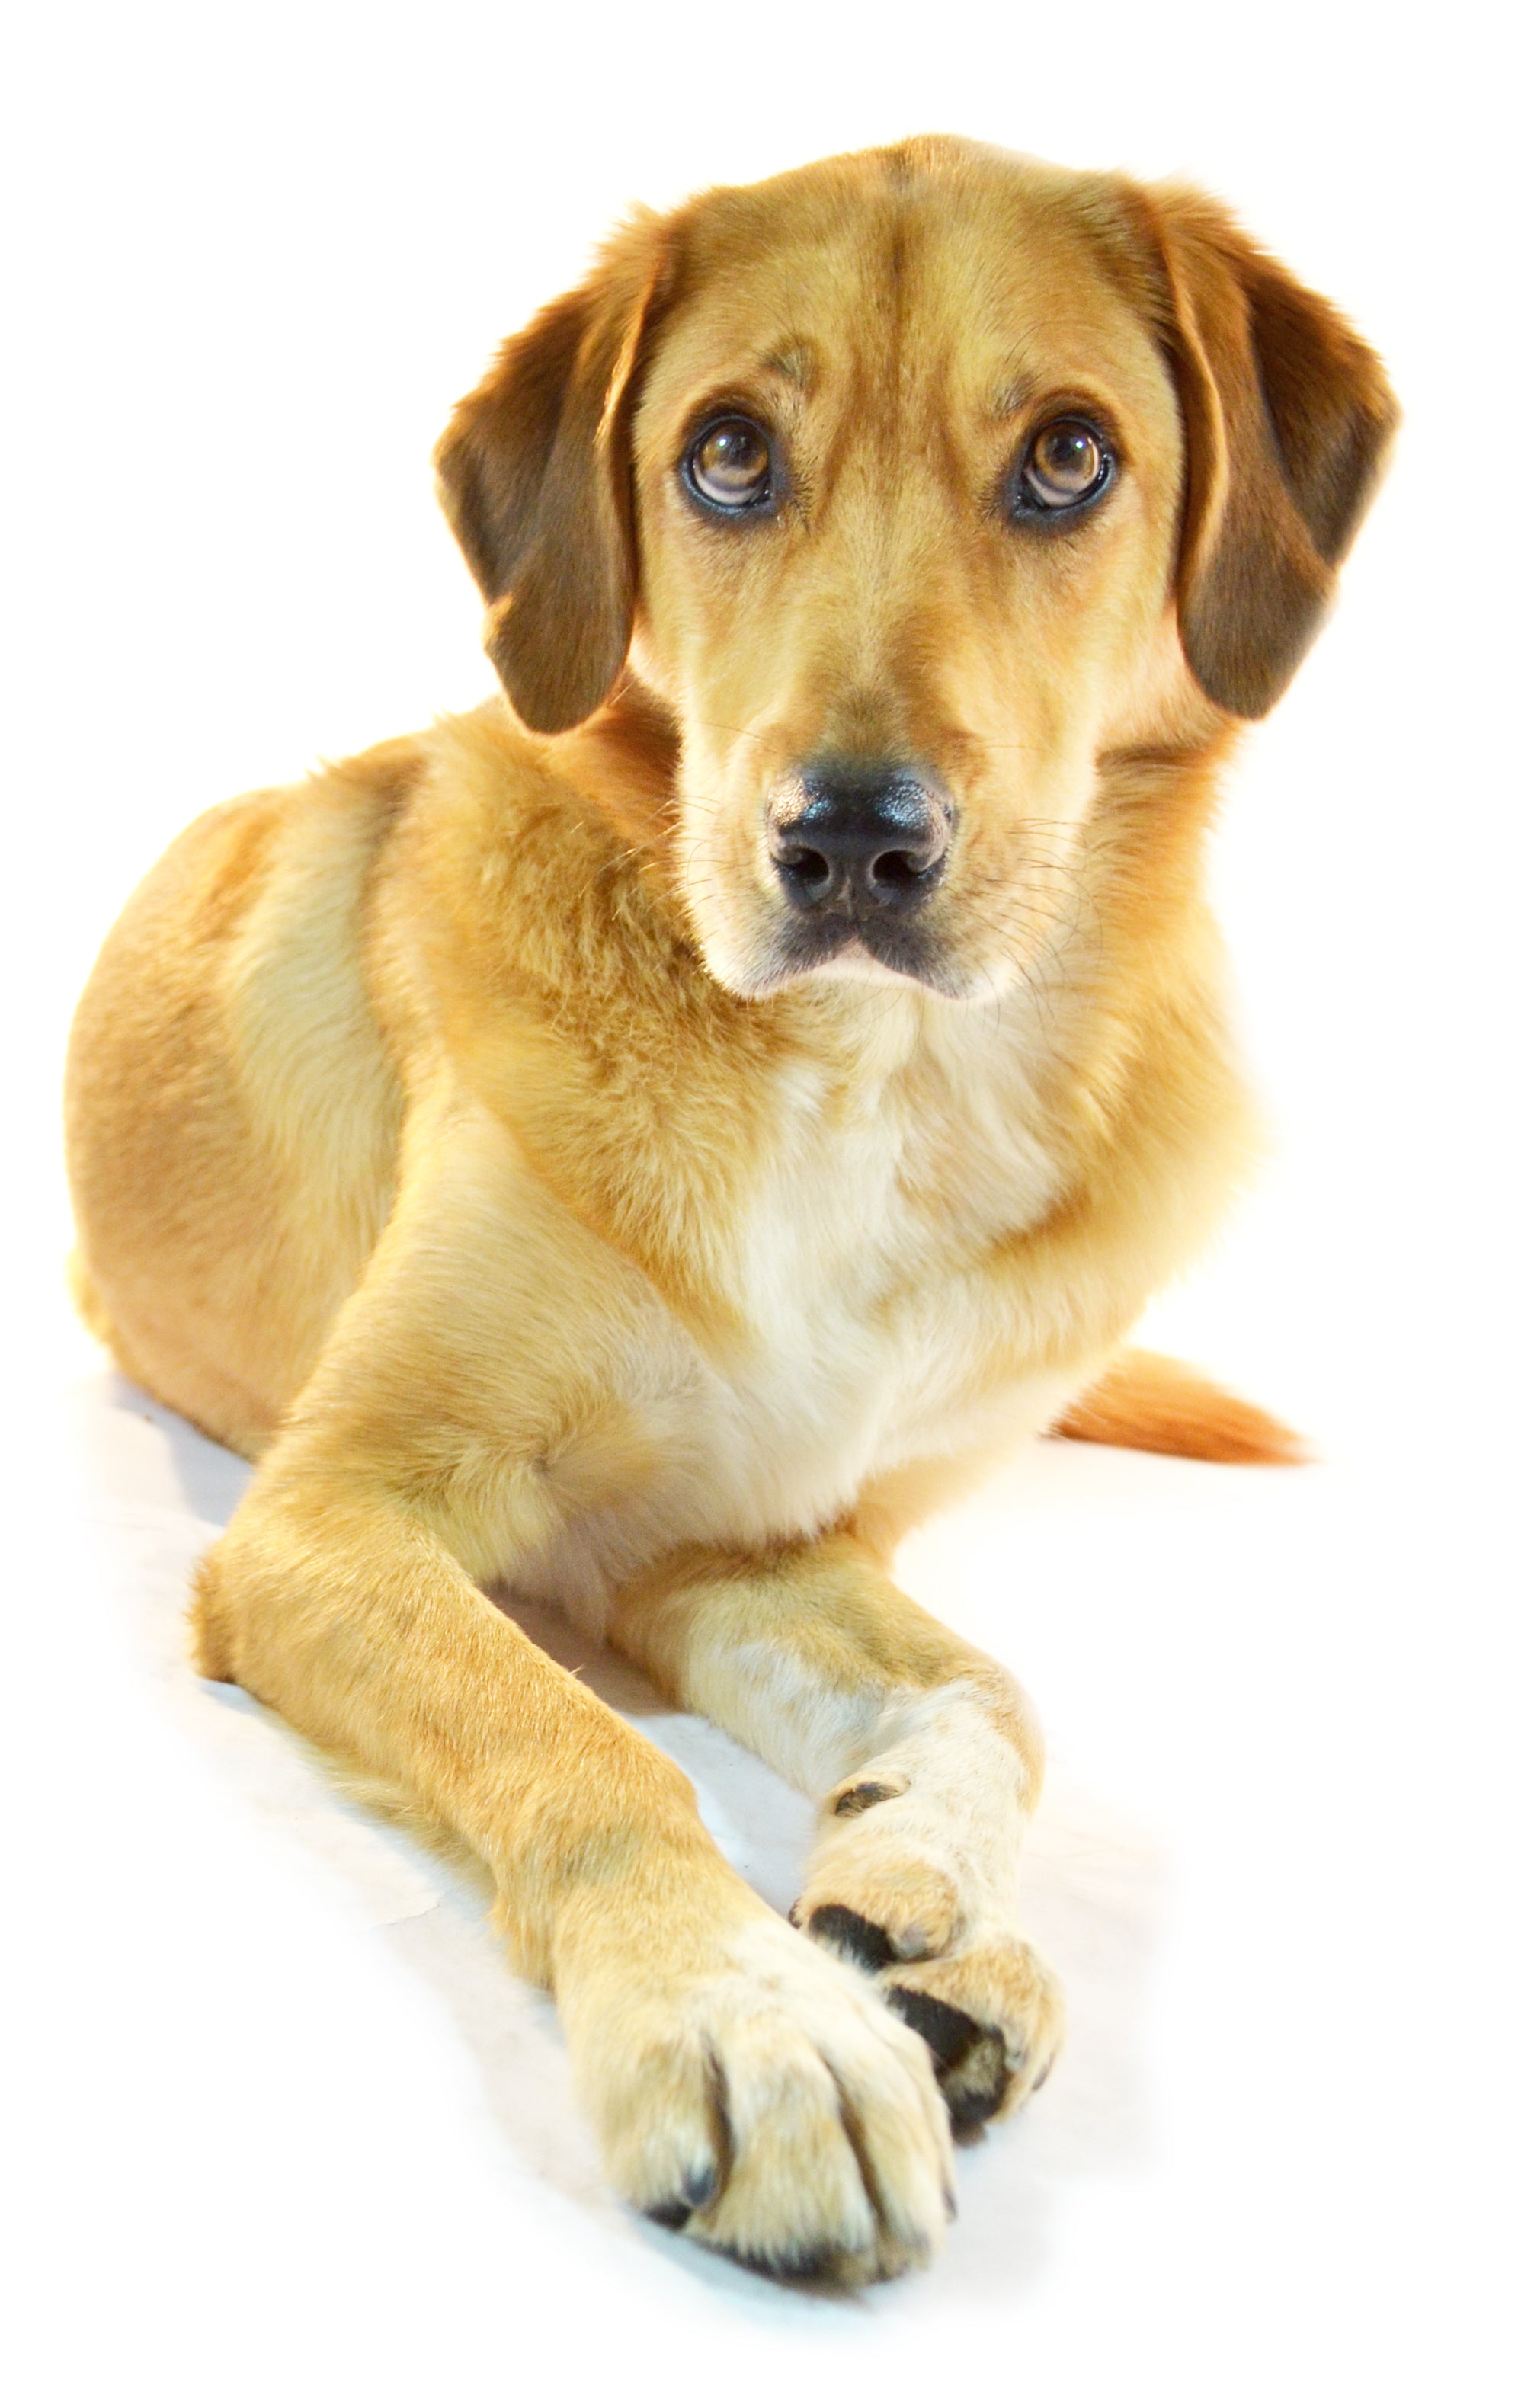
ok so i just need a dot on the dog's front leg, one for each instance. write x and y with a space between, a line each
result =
744 2088
927 1762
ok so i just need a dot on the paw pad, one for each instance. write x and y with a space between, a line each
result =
864 1794
971 2059
852 1936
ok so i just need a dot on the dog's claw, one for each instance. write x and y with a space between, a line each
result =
699 2187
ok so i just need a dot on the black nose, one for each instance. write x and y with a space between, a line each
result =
858 840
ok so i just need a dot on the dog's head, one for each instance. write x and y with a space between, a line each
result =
919 485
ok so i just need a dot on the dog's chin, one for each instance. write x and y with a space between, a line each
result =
885 955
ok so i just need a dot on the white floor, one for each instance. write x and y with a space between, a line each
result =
289 2129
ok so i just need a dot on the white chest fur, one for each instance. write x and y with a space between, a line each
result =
860 1264
859 1268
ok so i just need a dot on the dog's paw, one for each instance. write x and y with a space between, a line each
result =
770 2106
929 1923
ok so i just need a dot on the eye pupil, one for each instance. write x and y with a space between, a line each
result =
1066 447
728 465
1065 463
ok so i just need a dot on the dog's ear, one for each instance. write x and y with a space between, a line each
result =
535 473
1288 415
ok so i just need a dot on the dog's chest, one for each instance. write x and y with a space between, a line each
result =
864 1298
862 1270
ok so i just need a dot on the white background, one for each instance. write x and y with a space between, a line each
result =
287 2129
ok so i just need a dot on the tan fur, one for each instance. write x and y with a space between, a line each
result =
448 1133
1146 1401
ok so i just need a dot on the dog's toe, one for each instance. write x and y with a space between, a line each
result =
992 2019
773 2109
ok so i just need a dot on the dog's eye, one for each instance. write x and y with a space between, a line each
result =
729 465
1066 463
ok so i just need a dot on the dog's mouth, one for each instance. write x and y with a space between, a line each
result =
844 947
836 949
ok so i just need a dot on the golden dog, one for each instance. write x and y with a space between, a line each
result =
648 1142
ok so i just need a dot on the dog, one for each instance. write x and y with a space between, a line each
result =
649 1142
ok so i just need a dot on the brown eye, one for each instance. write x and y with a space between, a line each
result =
728 465
1065 463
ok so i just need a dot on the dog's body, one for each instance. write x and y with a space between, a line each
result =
500 1138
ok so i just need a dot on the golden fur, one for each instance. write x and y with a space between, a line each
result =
450 1134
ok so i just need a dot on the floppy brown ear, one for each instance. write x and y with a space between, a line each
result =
534 474
1288 415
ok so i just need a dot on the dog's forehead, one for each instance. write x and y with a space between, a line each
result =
977 268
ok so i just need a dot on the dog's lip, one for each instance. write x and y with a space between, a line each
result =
838 941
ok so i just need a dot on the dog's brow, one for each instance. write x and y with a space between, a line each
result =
792 361
1012 397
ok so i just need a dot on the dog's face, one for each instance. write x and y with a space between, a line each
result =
922 484
907 481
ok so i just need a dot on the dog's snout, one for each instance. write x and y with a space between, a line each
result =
857 840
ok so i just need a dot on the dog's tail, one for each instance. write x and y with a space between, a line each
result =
1158 1407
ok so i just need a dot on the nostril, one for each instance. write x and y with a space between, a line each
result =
808 869
900 870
